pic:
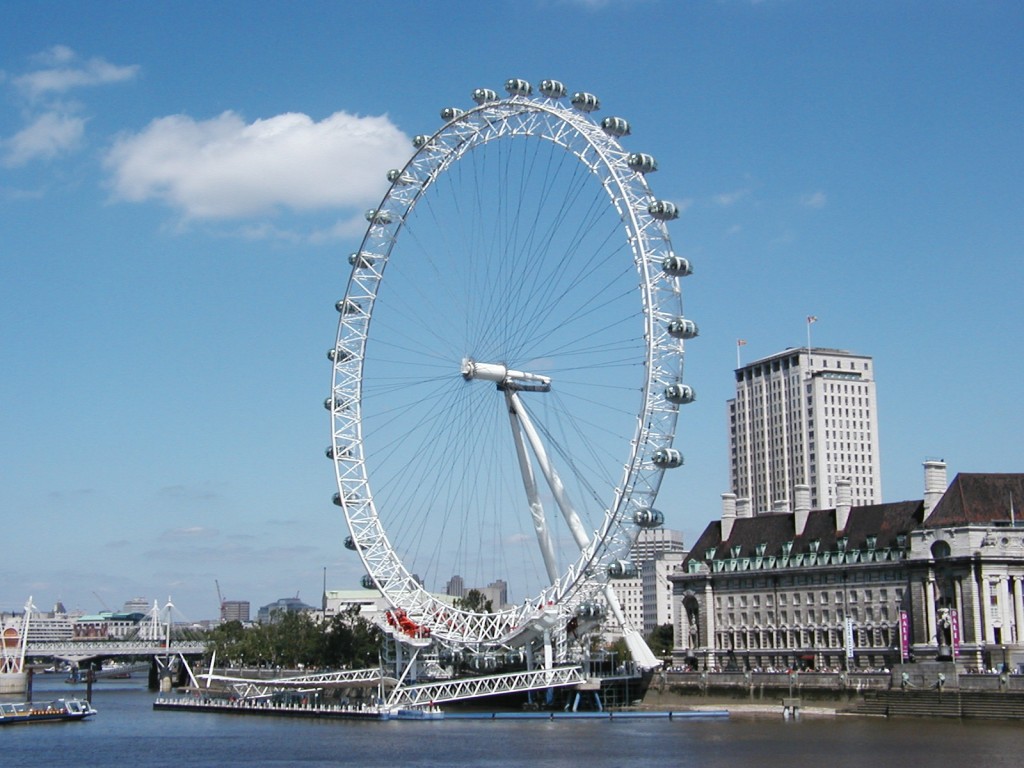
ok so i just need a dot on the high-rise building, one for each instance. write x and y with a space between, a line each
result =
235 610
646 599
804 417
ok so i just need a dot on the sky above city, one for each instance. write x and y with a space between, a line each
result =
181 184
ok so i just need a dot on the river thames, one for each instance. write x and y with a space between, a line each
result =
128 732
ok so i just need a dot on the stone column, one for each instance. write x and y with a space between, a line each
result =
929 609
986 603
976 622
1018 609
709 624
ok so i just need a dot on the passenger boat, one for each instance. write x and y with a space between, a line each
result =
61 709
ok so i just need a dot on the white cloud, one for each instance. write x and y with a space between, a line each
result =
814 200
48 135
726 199
63 70
227 168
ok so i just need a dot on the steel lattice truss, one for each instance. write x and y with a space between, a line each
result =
477 687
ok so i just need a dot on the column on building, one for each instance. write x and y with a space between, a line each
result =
709 624
1018 609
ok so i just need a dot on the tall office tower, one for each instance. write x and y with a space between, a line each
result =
804 417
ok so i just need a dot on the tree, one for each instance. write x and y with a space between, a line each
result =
474 601
662 640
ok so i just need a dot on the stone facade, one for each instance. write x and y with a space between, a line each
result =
829 589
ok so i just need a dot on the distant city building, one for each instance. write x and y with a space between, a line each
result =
368 603
804 417
267 614
235 610
137 605
455 587
646 598
860 585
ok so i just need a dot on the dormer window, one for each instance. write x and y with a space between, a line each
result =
813 546
841 543
761 548
710 553
871 541
901 541
736 550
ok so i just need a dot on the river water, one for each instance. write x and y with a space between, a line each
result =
127 732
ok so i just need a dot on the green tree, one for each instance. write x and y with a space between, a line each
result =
661 640
475 601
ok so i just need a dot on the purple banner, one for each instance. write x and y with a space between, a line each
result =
954 630
904 636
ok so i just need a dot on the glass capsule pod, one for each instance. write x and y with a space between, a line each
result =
338 355
350 543
622 569
590 611
421 140
680 394
367 582
361 259
336 499
586 102
514 658
641 162
483 95
395 176
331 403
347 307
484 662
446 657
518 87
377 216
451 113
646 517
676 266
667 458
663 210
615 126
331 453
553 89
682 328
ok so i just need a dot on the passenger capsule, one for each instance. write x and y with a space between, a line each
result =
642 162
552 89
517 87
378 216
362 259
680 394
676 266
336 499
347 307
446 657
615 126
648 518
663 210
367 582
682 328
667 458
395 176
331 403
451 113
338 354
514 658
350 543
483 95
586 102
622 569
421 140
590 611
484 663
333 453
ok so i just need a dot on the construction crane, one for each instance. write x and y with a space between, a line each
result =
220 599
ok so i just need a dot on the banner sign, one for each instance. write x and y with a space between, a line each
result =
849 637
904 636
954 630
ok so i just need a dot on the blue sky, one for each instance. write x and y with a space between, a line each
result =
181 184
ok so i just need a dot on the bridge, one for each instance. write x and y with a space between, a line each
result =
76 651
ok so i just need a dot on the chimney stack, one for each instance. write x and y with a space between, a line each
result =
934 484
743 508
801 508
728 514
843 503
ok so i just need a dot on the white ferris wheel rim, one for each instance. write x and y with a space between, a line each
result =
660 299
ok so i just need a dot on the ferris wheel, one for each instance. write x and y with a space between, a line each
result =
507 372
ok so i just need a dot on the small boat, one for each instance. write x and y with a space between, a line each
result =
60 709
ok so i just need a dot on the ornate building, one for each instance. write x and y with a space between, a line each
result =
859 586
